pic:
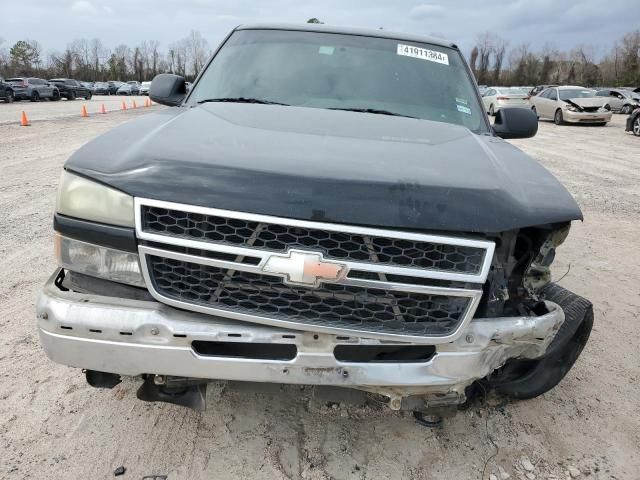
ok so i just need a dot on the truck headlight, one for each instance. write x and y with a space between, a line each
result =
538 273
97 261
89 200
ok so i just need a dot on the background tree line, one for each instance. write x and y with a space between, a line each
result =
494 64
90 60
491 60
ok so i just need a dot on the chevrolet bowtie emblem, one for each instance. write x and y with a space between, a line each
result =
304 268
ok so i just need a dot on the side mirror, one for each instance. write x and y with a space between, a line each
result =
515 123
168 89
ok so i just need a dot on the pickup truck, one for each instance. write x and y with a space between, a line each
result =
327 207
71 89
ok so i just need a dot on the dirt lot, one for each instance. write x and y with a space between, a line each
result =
47 110
52 425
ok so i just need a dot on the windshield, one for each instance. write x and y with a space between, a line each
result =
576 93
335 71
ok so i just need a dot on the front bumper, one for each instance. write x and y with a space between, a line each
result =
131 337
586 117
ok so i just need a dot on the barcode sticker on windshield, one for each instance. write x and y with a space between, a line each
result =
423 53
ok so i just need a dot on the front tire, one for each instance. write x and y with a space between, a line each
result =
9 98
636 126
524 379
88 97
35 97
626 109
557 118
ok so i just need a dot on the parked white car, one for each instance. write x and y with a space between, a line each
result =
495 98
571 104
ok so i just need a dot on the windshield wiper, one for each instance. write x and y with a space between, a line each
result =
241 100
372 110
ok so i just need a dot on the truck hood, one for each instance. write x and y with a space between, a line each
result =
325 165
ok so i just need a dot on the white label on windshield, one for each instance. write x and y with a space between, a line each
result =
423 53
326 50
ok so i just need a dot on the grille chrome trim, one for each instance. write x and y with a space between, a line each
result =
479 277
473 295
355 282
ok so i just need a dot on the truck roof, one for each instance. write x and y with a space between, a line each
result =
365 32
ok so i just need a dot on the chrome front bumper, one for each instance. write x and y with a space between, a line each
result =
131 337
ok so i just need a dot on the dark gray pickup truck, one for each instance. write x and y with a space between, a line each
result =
326 207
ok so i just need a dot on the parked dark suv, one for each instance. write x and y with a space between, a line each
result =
101 88
6 91
114 85
34 89
71 89
327 207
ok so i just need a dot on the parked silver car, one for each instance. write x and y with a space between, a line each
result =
130 88
571 104
495 98
620 99
144 88
34 89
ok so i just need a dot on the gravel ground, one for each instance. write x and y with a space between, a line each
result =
52 425
47 110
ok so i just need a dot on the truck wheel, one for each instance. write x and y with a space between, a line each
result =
557 118
523 379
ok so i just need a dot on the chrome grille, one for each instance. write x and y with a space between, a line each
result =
343 306
397 285
333 245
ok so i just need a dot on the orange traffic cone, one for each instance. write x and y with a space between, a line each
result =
124 106
102 109
134 104
84 111
24 121
146 102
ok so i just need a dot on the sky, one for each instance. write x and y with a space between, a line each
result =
563 24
